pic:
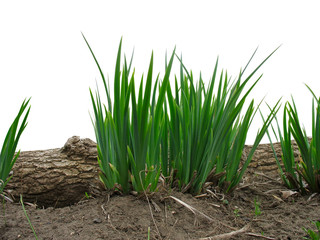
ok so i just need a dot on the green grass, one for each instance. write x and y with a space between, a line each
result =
207 131
311 234
8 155
25 213
129 141
191 134
111 124
257 209
302 175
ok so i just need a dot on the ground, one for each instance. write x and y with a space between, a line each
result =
173 215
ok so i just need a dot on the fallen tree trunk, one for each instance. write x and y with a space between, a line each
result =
57 177
60 177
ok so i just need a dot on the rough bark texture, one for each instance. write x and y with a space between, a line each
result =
263 160
60 177
56 177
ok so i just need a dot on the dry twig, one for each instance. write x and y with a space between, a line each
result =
312 196
259 236
227 235
192 209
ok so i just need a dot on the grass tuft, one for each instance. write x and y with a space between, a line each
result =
190 134
302 175
8 155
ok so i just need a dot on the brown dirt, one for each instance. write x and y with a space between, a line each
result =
129 217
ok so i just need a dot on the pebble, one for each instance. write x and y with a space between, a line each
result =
97 220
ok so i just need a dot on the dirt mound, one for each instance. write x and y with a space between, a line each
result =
173 215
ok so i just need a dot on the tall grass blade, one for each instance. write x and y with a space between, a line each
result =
25 213
304 174
8 155
112 127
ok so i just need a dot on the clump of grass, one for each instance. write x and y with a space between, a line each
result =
302 175
191 135
147 129
128 142
8 156
207 131
111 124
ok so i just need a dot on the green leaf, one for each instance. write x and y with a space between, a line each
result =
8 156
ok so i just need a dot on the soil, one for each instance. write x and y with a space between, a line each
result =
169 214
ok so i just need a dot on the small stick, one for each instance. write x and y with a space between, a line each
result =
259 236
201 195
215 195
215 205
192 209
312 196
6 198
227 235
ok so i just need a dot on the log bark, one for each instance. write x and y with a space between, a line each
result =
57 177
263 159
60 177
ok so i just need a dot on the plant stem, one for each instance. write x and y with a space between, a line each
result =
25 213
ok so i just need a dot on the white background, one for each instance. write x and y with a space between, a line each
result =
43 55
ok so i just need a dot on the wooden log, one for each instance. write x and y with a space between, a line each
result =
57 177
60 177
